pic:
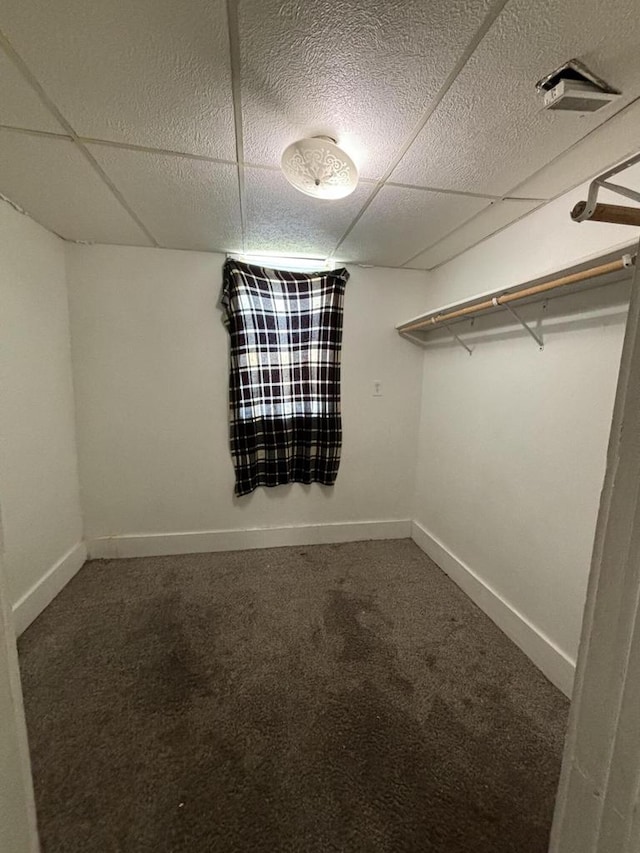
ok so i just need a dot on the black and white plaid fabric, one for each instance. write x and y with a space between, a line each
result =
284 376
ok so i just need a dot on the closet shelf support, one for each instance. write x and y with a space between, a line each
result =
458 339
470 308
537 338
615 213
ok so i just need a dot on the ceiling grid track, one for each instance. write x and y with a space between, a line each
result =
466 226
568 150
49 134
511 197
448 234
482 239
170 152
72 135
486 25
466 193
6 200
236 92
146 149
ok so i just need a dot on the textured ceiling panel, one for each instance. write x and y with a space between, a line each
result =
281 219
54 182
20 106
185 204
489 133
149 72
612 142
487 222
363 73
156 74
401 222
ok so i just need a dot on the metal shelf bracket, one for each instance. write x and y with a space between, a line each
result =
414 339
537 338
459 340
587 210
469 309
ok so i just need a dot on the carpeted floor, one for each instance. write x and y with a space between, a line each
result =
330 698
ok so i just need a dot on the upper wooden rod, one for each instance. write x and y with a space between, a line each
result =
619 214
563 281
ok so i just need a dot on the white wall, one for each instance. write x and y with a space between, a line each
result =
598 802
150 355
18 833
38 467
513 440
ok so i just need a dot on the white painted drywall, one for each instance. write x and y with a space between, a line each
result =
512 440
38 463
150 357
18 833
598 802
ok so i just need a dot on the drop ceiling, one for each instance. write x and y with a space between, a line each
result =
162 122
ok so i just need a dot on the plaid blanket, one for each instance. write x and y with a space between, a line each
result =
284 376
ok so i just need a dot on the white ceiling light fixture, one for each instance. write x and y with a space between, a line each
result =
320 168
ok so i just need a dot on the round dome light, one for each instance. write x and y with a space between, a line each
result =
318 167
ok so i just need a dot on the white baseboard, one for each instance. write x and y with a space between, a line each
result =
553 662
33 602
200 541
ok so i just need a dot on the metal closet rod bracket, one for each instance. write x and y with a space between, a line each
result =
458 339
615 213
537 338
470 309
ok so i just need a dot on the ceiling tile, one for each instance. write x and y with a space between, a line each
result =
20 106
185 203
401 222
605 146
489 132
487 222
362 73
150 72
55 183
280 219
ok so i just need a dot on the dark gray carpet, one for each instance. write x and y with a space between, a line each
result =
330 698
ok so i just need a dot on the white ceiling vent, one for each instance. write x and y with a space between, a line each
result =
577 97
573 88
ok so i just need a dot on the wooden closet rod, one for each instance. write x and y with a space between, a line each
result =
563 281
617 213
